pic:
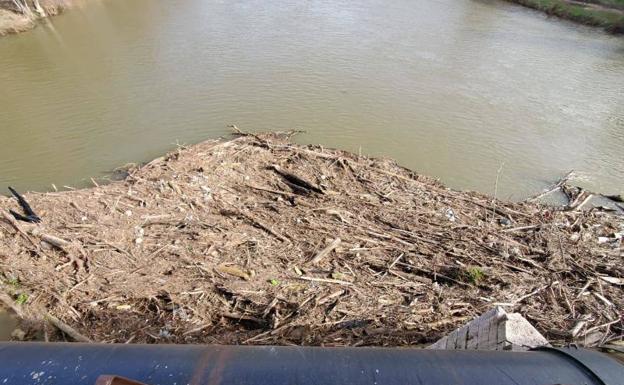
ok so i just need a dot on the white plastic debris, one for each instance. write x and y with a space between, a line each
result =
450 214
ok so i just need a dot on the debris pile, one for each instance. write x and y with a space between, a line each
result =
260 241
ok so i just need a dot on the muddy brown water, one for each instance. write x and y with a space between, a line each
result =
450 88
7 324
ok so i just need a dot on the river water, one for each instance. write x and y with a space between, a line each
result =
7 325
456 89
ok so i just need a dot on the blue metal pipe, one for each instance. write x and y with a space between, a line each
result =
73 364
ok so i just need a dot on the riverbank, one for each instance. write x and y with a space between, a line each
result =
22 15
260 241
607 14
11 22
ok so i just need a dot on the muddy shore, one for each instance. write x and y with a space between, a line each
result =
261 241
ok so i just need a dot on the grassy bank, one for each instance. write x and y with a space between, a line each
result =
608 14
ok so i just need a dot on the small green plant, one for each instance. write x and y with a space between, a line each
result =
21 299
274 282
13 282
476 275
337 275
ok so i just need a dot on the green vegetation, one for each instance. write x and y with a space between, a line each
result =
21 299
13 286
476 275
608 14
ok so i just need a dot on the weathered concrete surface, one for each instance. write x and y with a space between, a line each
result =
494 330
